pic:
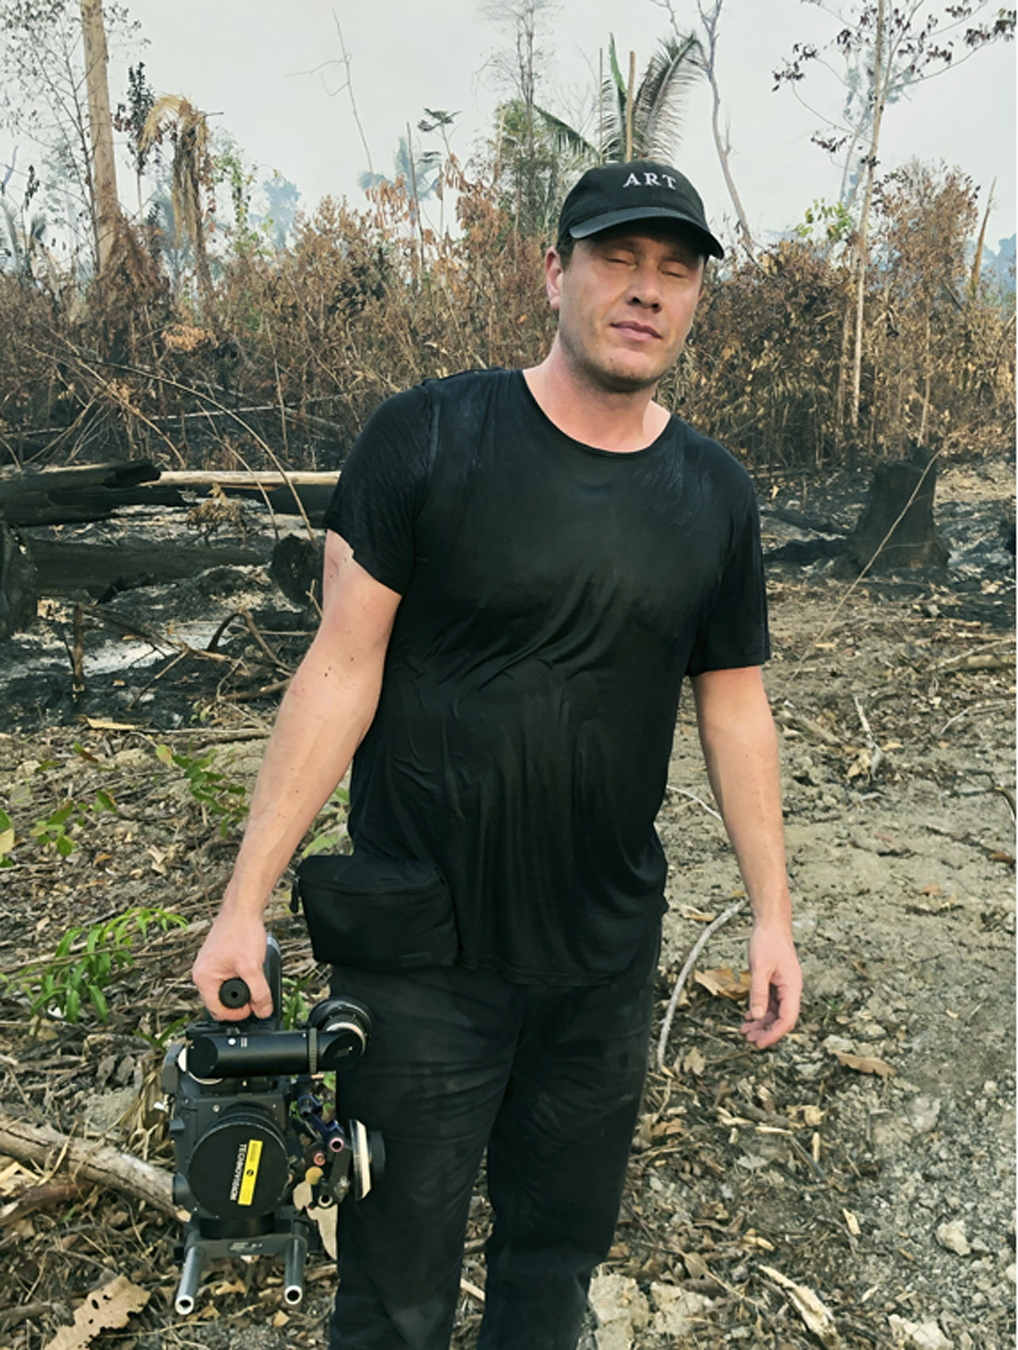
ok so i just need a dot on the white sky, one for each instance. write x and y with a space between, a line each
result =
248 60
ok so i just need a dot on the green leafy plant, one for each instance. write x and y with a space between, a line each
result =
217 795
6 839
55 829
87 959
295 1003
826 222
160 1039
329 826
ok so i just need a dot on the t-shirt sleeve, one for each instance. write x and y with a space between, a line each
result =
734 631
377 499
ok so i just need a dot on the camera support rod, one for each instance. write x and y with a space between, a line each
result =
190 1279
290 1242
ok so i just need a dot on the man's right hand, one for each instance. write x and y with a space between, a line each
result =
234 947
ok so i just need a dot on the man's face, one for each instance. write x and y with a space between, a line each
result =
625 303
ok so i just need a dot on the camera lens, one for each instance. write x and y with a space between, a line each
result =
239 1168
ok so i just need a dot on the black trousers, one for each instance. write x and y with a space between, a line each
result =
549 1081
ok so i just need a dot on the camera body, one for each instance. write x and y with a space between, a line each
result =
254 1146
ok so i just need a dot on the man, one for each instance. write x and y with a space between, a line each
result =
521 568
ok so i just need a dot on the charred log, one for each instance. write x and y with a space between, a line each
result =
80 494
802 552
104 569
816 524
287 501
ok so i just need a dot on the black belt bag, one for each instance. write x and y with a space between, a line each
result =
374 913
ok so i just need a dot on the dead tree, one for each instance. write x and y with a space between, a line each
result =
103 175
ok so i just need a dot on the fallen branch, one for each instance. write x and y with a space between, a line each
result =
980 661
38 1197
680 983
816 1315
250 695
785 717
245 614
11 1316
89 1159
876 754
681 792
815 524
1008 796
976 708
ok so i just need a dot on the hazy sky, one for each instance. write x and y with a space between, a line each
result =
252 61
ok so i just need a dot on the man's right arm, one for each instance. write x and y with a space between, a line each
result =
322 719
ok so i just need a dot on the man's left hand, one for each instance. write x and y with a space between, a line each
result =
775 984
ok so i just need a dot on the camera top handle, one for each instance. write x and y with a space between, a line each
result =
234 993
335 1037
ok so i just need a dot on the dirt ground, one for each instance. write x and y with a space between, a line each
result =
854 1186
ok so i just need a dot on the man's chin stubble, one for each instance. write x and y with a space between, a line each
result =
609 381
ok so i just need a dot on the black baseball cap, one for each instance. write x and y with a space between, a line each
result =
641 189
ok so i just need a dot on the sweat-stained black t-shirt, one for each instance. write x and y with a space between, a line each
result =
554 596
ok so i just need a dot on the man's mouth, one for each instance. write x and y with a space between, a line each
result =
640 331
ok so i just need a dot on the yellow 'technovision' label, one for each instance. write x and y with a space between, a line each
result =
251 1161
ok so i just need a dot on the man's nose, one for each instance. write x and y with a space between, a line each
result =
645 288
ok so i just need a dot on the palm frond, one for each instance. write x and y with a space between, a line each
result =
614 97
566 139
613 65
658 103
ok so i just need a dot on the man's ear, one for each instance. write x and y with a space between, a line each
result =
553 272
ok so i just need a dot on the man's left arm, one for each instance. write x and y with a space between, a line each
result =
741 751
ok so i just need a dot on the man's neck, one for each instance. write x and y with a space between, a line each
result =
622 422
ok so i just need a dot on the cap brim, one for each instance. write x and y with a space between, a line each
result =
612 218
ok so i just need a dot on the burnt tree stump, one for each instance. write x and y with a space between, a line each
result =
18 592
296 568
914 541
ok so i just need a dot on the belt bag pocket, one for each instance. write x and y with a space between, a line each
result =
375 913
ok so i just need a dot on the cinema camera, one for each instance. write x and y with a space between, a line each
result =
247 1128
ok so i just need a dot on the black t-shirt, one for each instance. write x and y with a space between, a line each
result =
554 596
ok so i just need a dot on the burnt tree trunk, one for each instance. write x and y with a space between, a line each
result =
18 589
881 542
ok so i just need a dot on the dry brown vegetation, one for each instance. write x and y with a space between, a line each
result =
292 349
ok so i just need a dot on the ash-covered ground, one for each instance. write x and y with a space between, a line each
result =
866 1163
